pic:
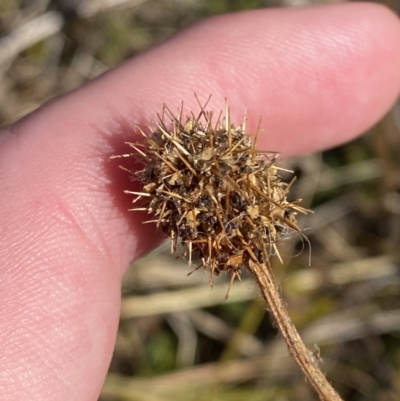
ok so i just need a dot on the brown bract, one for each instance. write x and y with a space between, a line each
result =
206 185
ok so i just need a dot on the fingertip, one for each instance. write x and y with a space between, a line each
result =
338 76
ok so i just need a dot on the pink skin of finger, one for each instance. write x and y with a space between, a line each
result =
319 76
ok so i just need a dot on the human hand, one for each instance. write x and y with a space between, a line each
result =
319 76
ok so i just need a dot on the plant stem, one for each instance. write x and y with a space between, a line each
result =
303 356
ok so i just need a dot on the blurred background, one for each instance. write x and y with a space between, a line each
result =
178 339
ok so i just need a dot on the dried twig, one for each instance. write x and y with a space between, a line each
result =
307 361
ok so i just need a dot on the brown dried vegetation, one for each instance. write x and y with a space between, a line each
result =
207 185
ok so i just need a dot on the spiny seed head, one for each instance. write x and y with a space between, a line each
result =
207 186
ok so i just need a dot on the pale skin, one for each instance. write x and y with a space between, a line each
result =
318 76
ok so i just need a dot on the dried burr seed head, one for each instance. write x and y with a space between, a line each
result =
207 186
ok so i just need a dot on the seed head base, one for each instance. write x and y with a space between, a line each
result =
206 184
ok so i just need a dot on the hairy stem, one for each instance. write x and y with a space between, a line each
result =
303 356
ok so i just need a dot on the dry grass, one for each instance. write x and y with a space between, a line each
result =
180 340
